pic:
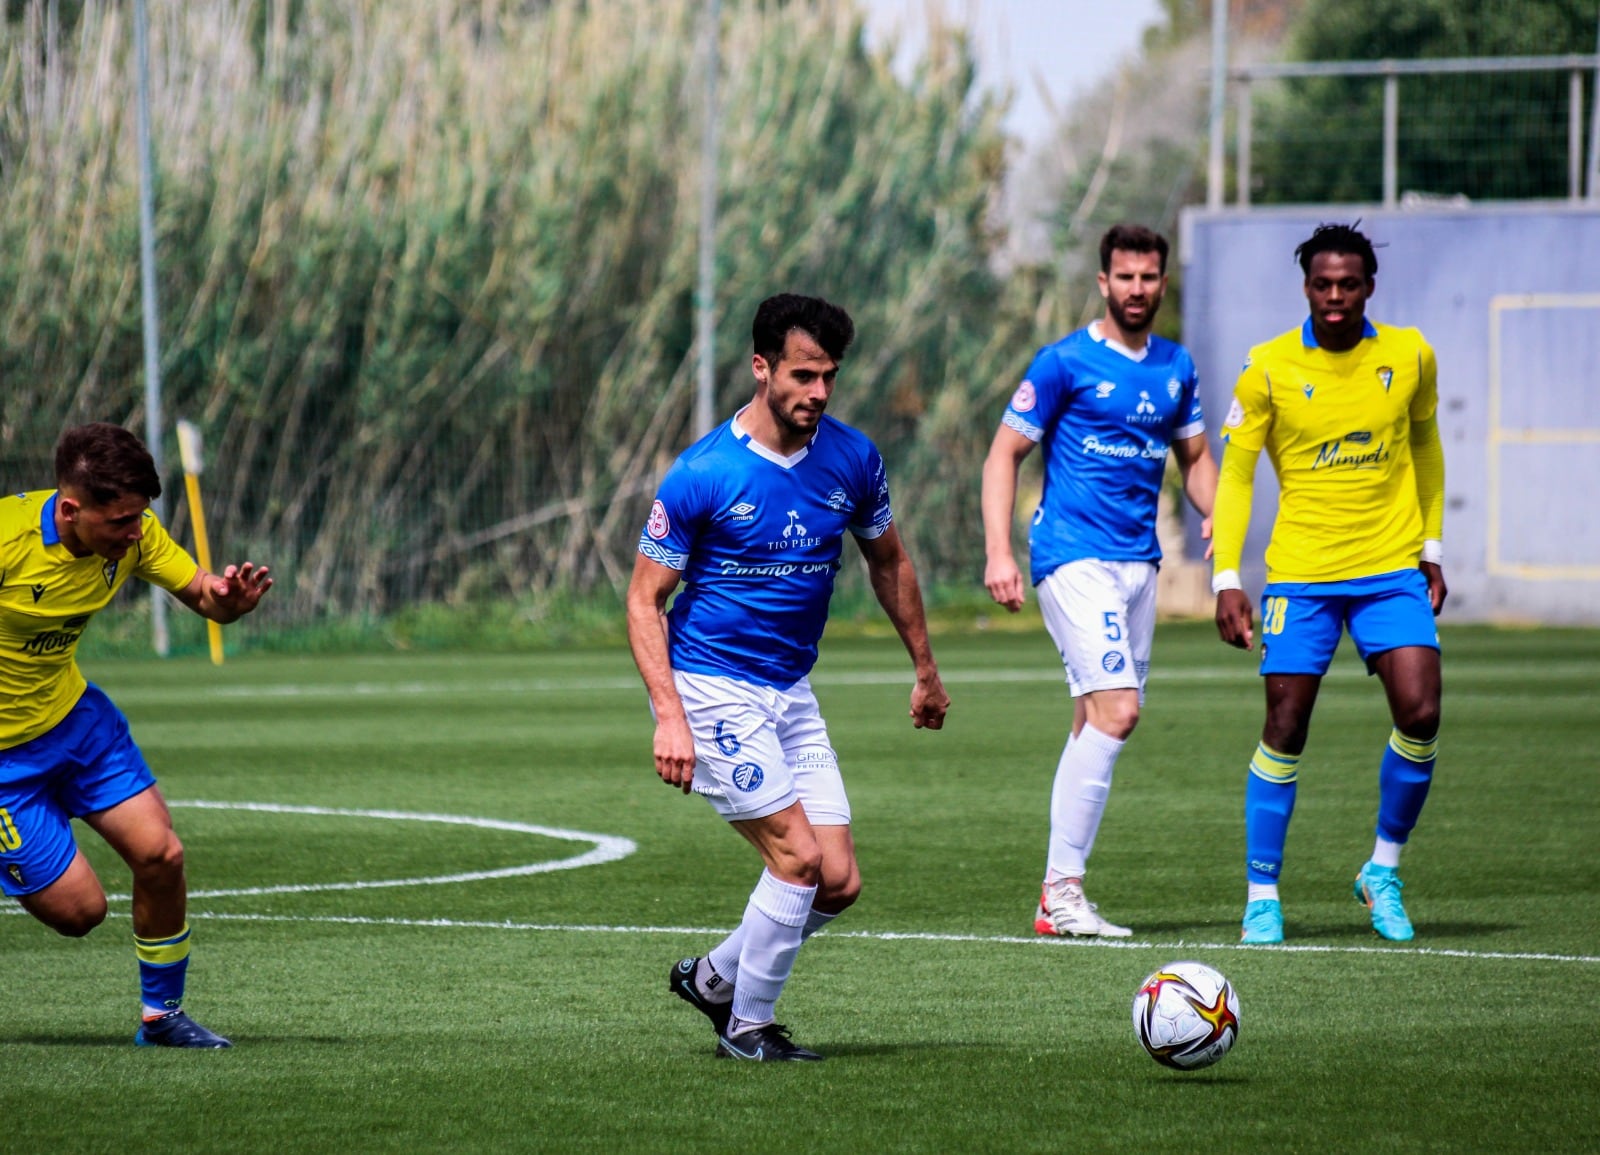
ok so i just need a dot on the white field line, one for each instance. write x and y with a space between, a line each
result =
912 936
1243 673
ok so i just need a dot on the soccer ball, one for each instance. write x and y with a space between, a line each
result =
1186 1015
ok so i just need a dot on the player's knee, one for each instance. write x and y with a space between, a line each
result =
79 920
161 862
1419 720
838 894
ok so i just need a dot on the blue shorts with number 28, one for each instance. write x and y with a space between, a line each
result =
1301 621
85 764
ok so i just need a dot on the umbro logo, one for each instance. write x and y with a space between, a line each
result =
1104 389
744 511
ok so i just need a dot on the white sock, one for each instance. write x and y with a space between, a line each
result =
1259 890
1078 799
719 970
774 922
815 921
724 958
1387 853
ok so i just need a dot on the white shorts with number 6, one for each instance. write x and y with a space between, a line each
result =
1102 617
758 750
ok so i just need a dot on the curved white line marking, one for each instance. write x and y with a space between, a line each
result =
607 848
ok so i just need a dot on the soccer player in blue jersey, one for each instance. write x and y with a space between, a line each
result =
752 520
1346 411
1107 402
65 750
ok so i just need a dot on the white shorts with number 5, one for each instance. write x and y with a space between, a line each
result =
1102 617
758 750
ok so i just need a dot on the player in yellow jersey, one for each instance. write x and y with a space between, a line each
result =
65 750
1346 412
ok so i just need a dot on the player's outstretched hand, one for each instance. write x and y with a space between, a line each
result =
929 703
1004 581
1235 620
239 588
674 750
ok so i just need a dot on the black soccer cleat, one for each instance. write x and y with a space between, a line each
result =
176 1029
681 983
768 1044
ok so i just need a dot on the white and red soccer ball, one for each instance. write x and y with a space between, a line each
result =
1186 1015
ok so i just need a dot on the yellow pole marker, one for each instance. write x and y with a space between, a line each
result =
189 451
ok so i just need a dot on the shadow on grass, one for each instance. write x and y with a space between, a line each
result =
866 1050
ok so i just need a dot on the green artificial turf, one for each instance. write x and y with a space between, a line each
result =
531 1012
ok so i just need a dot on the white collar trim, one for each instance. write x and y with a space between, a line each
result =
1098 334
760 450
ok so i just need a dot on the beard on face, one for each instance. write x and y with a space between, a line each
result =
1152 303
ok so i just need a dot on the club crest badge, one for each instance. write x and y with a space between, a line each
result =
658 526
1024 398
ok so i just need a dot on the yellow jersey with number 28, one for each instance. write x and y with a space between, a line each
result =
1338 429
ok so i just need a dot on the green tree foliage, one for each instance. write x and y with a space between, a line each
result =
427 267
1488 136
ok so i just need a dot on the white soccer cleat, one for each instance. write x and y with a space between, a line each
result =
1063 910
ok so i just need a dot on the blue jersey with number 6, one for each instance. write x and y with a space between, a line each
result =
758 538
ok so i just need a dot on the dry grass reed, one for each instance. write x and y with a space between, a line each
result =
427 267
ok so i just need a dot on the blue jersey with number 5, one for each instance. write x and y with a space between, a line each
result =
1105 418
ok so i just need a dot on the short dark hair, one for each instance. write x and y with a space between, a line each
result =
826 324
1337 238
105 462
1131 239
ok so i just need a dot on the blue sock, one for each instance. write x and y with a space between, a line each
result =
163 966
1268 803
1403 780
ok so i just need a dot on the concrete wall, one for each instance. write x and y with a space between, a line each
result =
1509 297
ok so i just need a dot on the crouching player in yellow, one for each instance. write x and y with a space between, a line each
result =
65 750
1346 412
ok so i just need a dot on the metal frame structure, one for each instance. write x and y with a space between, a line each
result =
1582 183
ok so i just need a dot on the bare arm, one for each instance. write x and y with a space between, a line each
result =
1000 572
1199 470
648 591
229 597
894 582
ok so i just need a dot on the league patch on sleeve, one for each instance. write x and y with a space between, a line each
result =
658 526
1235 415
1024 398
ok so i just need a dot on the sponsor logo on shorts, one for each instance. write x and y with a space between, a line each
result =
747 776
15 872
1112 662
658 526
1024 398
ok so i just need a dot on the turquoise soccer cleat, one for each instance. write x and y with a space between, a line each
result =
1378 887
1263 922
